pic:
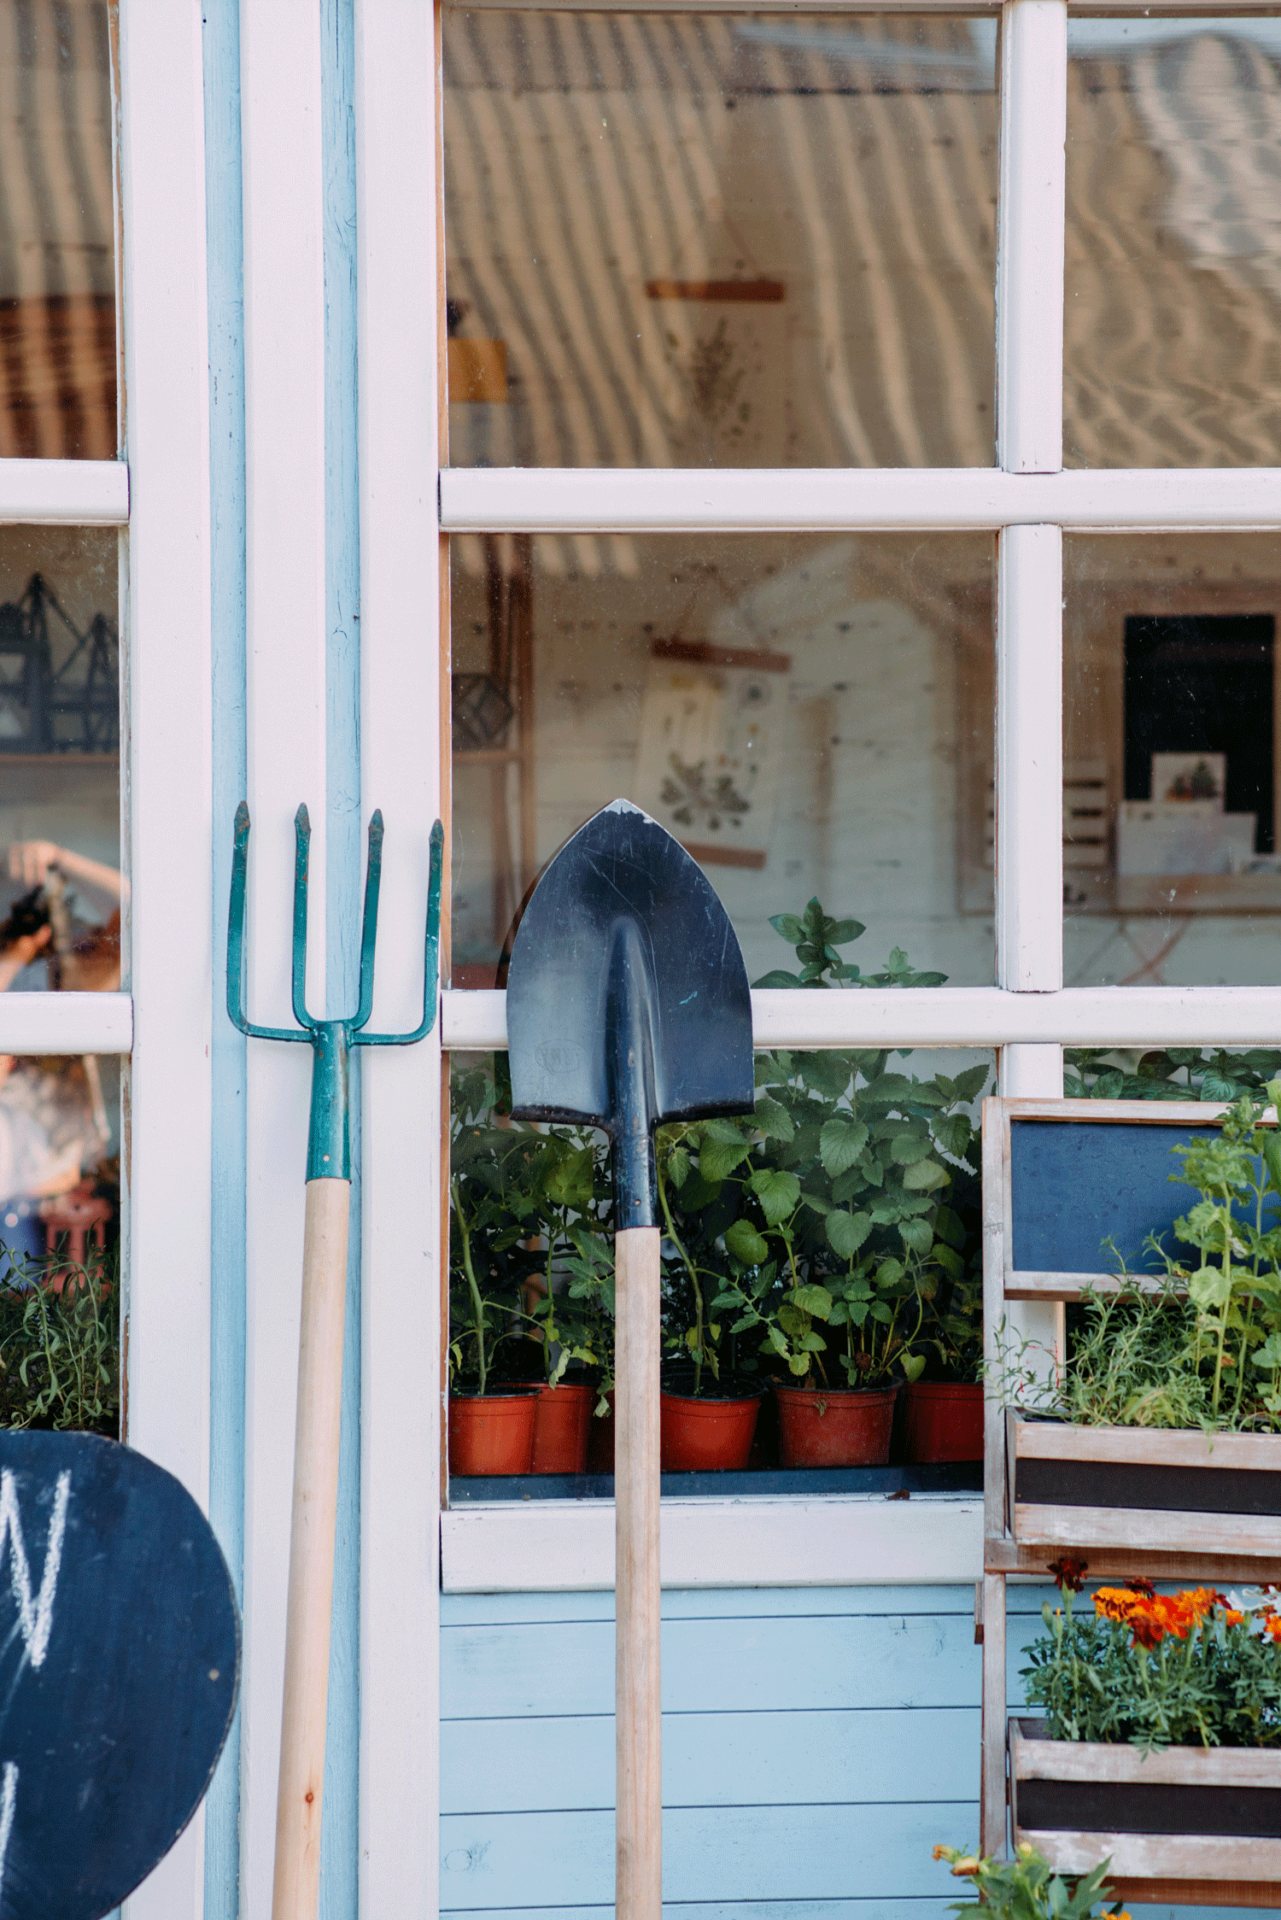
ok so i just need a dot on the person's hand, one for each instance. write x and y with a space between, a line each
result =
30 860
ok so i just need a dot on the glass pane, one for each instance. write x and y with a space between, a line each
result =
57 232
691 240
60 881
1172 865
757 1281
1173 329
810 715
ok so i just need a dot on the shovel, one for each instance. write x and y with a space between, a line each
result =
628 1005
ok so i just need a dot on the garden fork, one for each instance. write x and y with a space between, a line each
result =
296 1890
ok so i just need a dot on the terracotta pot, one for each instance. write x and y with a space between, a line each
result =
562 1416
944 1420
835 1426
709 1436
600 1439
491 1433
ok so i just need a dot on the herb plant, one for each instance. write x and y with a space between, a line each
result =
1159 1670
60 1350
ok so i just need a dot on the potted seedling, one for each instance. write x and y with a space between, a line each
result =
826 1204
491 1416
943 1408
569 1195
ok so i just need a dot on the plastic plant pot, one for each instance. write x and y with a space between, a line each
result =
562 1417
600 1439
707 1435
491 1433
944 1420
835 1426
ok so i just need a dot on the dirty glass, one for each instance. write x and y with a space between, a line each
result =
57 231
811 715
1172 774
684 239
1173 311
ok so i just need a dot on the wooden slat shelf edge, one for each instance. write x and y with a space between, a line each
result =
1144 1856
1197 1893
1144 1446
1144 1530
1034 1758
1004 1556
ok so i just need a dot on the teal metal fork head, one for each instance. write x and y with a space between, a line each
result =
329 1147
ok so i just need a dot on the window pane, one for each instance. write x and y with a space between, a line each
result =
810 715
60 882
532 1283
1173 328
692 240
57 232
1172 764
60 1243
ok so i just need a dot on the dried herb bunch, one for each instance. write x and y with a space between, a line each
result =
1160 1670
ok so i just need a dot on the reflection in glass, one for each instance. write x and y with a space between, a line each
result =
1173 328
810 715
57 231
681 239
1172 762
61 890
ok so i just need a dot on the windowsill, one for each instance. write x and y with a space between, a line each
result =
752 1539
781 1483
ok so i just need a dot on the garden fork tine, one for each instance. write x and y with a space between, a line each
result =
324 1283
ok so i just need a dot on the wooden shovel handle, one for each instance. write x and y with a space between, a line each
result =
296 1890
637 1590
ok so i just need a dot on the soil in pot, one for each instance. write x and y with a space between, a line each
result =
707 1434
835 1426
491 1433
944 1420
561 1420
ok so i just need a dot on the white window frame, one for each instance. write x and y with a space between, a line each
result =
1026 501
159 493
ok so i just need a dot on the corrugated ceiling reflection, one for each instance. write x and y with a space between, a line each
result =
57 267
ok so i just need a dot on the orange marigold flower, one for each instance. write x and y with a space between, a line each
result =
1232 1617
1137 1584
1272 1626
1067 1573
1116 1603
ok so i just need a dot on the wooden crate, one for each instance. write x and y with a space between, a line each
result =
1143 1489
1206 1820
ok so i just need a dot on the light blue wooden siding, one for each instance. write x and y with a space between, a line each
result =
816 1744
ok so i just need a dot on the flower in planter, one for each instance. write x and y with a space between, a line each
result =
1025 1888
1159 1670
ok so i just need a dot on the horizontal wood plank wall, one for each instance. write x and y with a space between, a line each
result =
816 1744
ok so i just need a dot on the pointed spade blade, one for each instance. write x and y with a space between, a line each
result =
627 997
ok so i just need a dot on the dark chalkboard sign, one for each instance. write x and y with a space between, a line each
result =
1076 1184
119 1665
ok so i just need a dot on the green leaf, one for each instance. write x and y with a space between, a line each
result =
972 1082
812 1298
745 1243
777 1192
840 1143
913 1365
953 1133
777 978
925 1177
717 1159
773 1119
846 1232
907 1148
916 1234
789 927
841 932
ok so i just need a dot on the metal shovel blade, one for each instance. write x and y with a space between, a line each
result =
627 997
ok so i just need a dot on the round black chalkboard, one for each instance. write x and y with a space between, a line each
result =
119 1664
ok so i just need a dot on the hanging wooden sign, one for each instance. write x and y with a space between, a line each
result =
119 1665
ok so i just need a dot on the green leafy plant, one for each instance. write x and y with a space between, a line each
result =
1167 1073
1197 1340
60 1350
525 1223
815 1232
1159 1670
1026 1888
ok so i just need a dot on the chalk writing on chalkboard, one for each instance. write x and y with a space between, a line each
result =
119 1665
